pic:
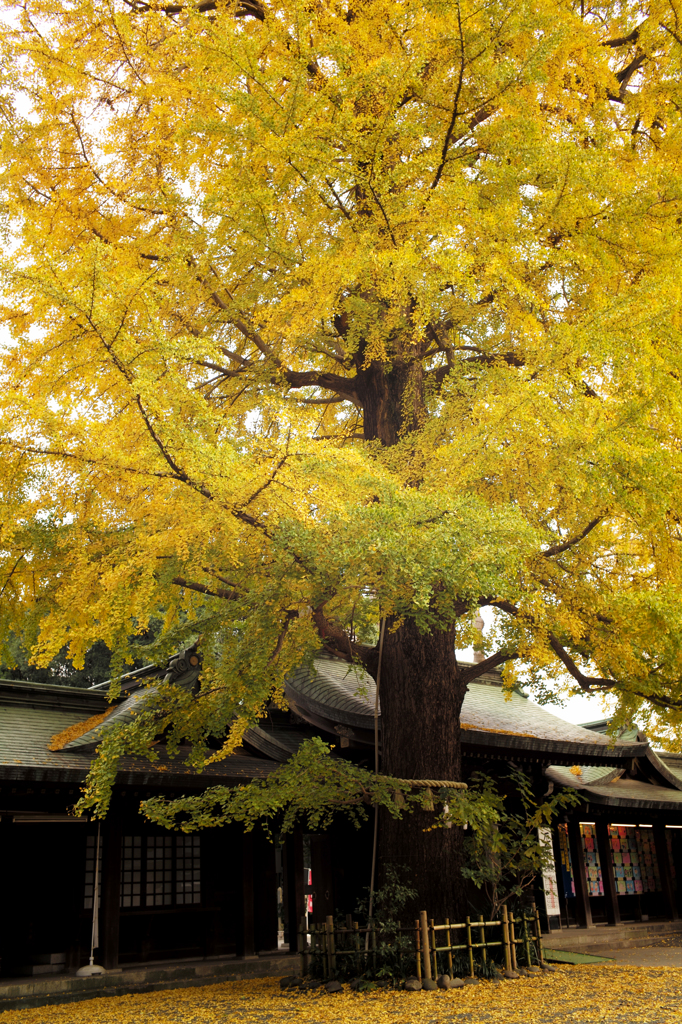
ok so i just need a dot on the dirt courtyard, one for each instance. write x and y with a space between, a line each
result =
584 995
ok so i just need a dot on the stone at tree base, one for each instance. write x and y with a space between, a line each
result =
443 981
456 983
547 967
533 970
429 985
355 984
413 985
334 986
289 980
511 975
470 981
313 984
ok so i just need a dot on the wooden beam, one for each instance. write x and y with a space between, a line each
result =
247 937
607 872
665 869
582 897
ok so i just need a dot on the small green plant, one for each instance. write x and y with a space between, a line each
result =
504 853
389 955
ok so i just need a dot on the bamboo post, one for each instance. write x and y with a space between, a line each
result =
505 940
526 940
398 938
470 949
374 946
329 928
418 947
538 936
481 933
449 938
433 950
424 925
512 939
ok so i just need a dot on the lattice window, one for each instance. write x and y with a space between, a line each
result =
159 871
187 869
131 871
90 851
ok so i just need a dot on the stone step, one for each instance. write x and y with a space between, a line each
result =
66 988
601 938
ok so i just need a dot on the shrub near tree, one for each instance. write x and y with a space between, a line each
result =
340 312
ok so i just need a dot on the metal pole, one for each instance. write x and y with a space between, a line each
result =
376 772
94 938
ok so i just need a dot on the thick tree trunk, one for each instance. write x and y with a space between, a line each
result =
421 698
392 400
421 693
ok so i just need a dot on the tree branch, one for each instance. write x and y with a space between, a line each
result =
226 595
246 8
455 107
623 40
557 549
339 643
468 675
328 381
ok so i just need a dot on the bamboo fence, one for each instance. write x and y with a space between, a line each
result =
516 937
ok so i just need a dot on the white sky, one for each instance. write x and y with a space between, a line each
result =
577 710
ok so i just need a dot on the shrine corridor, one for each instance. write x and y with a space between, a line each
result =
572 995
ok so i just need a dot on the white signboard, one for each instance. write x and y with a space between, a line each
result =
549 876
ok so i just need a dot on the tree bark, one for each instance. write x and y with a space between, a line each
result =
421 698
392 399
421 690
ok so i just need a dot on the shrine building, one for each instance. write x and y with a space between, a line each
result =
222 893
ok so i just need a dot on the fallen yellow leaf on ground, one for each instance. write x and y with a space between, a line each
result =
579 995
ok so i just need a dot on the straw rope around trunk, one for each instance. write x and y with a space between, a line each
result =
433 783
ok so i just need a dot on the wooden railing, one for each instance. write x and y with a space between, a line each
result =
419 946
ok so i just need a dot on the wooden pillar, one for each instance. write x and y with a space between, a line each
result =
295 886
264 893
323 877
582 898
110 912
246 938
665 869
11 896
607 874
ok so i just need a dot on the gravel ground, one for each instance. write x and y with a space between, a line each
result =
572 995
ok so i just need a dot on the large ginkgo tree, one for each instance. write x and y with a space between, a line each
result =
322 315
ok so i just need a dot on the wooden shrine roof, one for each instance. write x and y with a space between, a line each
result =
340 697
32 713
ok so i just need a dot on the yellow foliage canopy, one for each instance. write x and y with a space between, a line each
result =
339 306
